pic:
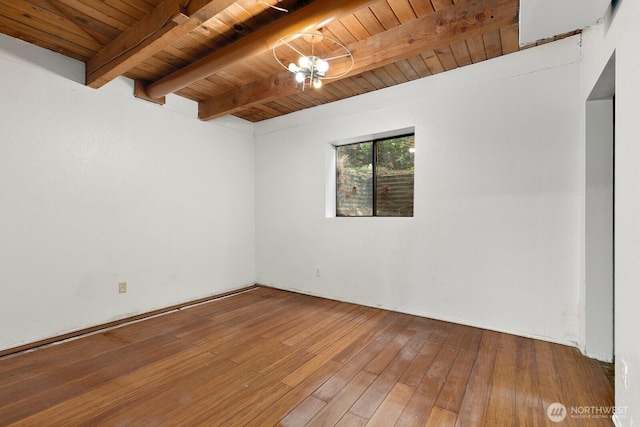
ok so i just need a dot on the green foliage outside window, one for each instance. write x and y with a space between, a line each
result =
375 178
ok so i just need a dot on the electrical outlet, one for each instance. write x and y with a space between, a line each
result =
122 287
317 272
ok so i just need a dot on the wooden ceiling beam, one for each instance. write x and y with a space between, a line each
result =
311 17
463 20
169 21
268 89
456 23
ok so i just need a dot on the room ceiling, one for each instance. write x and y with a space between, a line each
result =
163 44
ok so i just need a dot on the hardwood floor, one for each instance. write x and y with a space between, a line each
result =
269 357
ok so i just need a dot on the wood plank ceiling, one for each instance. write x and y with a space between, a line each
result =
392 41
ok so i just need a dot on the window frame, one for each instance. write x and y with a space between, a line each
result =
374 183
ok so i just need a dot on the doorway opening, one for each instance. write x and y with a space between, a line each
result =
599 217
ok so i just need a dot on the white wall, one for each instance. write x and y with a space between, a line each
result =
496 237
620 33
97 187
543 19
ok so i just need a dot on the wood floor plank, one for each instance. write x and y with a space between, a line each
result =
442 418
439 331
297 376
600 386
117 392
419 366
551 390
564 358
422 326
350 332
419 406
472 339
329 352
575 395
319 328
454 387
224 338
341 378
338 407
281 408
292 359
350 420
259 301
252 405
452 392
366 337
305 316
19 374
267 357
501 404
392 406
303 413
84 374
336 333
529 408
297 331
240 397
144 406
387 354
386 381
204 402
243 320
456 335
359 361
476 395
259 348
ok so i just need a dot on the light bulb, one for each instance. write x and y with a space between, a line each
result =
317 83
304 62
322 66
300 76
293 68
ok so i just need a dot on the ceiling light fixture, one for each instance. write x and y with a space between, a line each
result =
313 57
281 9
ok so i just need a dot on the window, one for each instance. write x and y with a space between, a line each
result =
375 178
